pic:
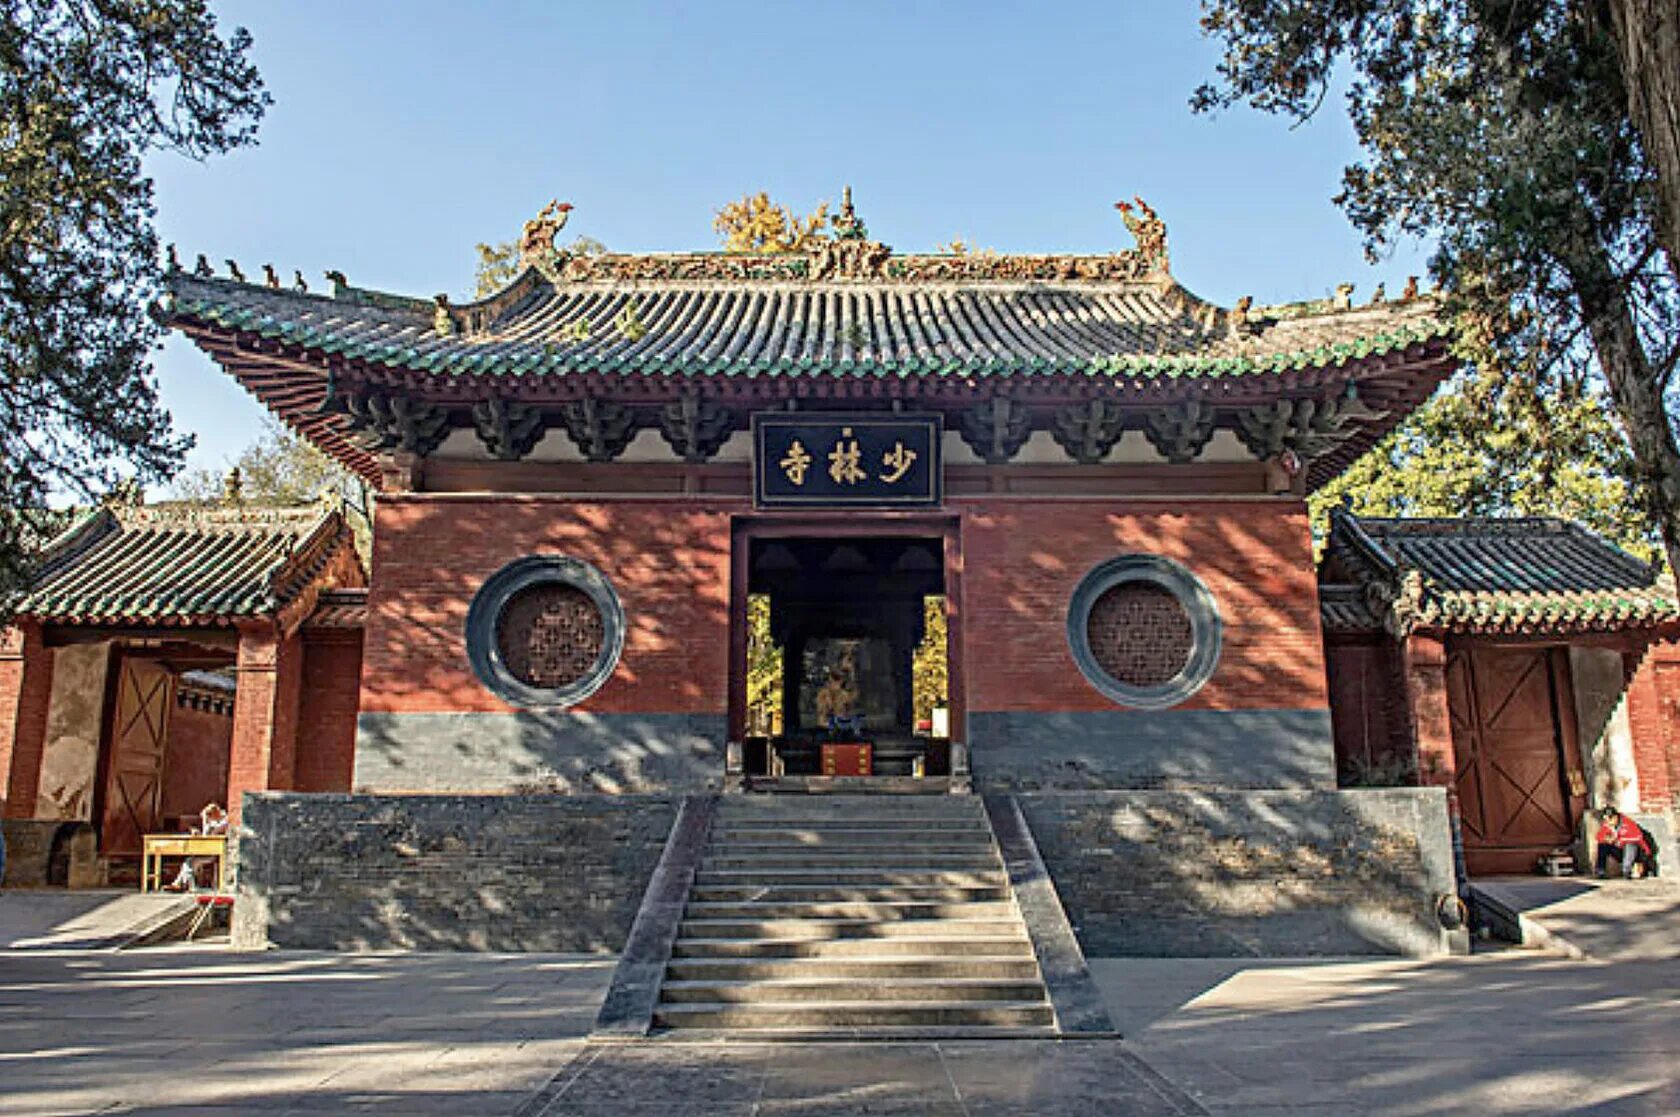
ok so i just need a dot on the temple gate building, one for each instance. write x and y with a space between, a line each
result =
664 540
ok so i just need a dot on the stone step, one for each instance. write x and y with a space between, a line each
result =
931 946
873 876
848 836
876 1034
842 821
873 968
908 860
831 989
880 911
856 804
873 852
934 788
855 1014
848 928
839 893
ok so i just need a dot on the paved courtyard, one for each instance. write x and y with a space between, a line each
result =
203 1031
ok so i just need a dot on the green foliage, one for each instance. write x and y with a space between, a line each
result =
1499 130
87 90
1480 448
498 264
764 668
930 664
279 469
282 470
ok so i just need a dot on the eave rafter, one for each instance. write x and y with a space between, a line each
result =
360 411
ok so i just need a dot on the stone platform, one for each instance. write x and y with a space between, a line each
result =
1154 873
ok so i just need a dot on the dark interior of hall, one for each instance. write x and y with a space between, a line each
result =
847 645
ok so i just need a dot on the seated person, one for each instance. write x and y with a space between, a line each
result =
1621 839
212 820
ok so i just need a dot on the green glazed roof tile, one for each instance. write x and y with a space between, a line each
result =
1529 574
179 564
752 328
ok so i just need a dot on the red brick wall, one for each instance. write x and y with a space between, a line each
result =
669 561
25 690
195 761
1367 707
326 748
1022 560
1654 720
264 747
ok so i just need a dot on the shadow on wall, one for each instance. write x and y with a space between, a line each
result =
558 873
668 563
561 752
1249 874
1153 749
1259 569
51 854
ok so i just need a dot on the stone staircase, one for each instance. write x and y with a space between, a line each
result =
852 914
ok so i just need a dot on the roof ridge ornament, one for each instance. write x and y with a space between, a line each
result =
537 247
847 225
849 254
1148 230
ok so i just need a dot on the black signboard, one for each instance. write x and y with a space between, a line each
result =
827 460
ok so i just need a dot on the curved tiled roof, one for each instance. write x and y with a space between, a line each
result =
339 608
1518 575
179 565
755 329
367 375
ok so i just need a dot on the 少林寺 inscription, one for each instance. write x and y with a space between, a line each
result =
815 461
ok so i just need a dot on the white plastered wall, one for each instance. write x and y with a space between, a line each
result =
75 710
1605 733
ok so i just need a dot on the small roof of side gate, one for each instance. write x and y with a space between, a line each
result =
1520 576
1098 341
188 566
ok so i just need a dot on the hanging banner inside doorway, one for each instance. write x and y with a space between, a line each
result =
826 460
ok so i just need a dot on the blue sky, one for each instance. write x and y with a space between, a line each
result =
404 133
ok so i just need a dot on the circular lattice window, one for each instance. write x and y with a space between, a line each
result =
1144 631
545 631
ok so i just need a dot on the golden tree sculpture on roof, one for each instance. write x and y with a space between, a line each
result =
754 223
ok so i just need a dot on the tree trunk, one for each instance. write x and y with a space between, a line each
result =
1635 392
1647 34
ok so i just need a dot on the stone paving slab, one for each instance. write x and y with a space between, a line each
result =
1516 1032
1611 920
57 919
192 1030
965 1078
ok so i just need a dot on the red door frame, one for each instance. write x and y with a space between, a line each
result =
744 529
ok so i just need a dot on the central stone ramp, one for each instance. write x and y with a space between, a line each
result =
853 914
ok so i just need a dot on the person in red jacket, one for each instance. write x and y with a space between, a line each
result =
1620 839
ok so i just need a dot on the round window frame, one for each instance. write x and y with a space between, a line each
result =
484 617
1206 629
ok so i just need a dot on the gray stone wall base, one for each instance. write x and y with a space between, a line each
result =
1153 748
28 849
561 751
562 873
1249 874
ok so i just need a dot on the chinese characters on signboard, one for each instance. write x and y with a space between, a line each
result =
815 460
